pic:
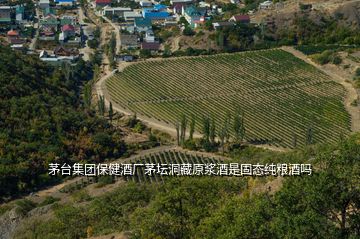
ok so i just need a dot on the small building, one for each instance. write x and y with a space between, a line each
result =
181 1
126 58
49 11
68 30
62 51
5 14
68 20
131 16
177 8
65 3
115 11
145 3
142 24
244 19
221 25
194 15
44 4
152 46
19 11
49 22
266 5
149 36
102 3
157 12
128 41
14 37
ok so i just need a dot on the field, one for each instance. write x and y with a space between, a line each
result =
282 97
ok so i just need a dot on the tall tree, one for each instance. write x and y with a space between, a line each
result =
206 128
111 112
212 135
183 126
192 126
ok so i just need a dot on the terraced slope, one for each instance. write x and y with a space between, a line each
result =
280 95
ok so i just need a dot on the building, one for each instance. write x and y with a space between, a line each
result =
49 11
149 36
244 19
128 41
44 4
157 12
142 24
5 14
55 60
19 13
131 16
102 3
181 1
14 37
265 5
194 15
62 51
68 3
152 46
115 11
145 3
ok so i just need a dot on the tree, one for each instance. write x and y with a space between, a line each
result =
212 134
206 129
183 126
309 136
192 127
239 127
111 112
101 105
177 128
188 31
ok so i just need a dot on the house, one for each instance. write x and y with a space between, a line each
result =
14 38
194 15
19 11
68 20
5 14
152 46
68 3
177 8
265 5
235 1
49 21
142 24
149 36
102 3
44 4
126 58
220 25
128 41
131 16
145 3
181 1
157 12
115 11
244 19
62 51
55 60
68 30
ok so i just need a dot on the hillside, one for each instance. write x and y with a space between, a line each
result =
42 121
215 207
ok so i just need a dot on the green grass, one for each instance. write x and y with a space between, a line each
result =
281 95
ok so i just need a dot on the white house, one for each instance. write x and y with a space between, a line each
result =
131 16
115 11
149 36
265 5
145 3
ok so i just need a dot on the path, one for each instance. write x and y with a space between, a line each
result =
351 91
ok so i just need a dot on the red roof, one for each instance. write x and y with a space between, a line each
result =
103 1
68 27
12 33
241 18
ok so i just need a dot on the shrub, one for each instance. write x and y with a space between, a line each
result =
24 206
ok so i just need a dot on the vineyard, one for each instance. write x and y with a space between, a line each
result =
281 96
141 175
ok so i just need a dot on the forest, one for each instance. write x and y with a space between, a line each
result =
43 120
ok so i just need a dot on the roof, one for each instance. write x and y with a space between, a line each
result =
193 11
240 18
12 33
127 39
65 21
150 45
154 14
64 0
20 9
68 27
142 22
5 8
132 15
159 7
103 1
223 24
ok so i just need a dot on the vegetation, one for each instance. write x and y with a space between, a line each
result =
277 94
43 120
323 205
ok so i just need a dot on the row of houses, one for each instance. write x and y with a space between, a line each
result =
43 4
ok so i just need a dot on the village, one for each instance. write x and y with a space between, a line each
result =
67 30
